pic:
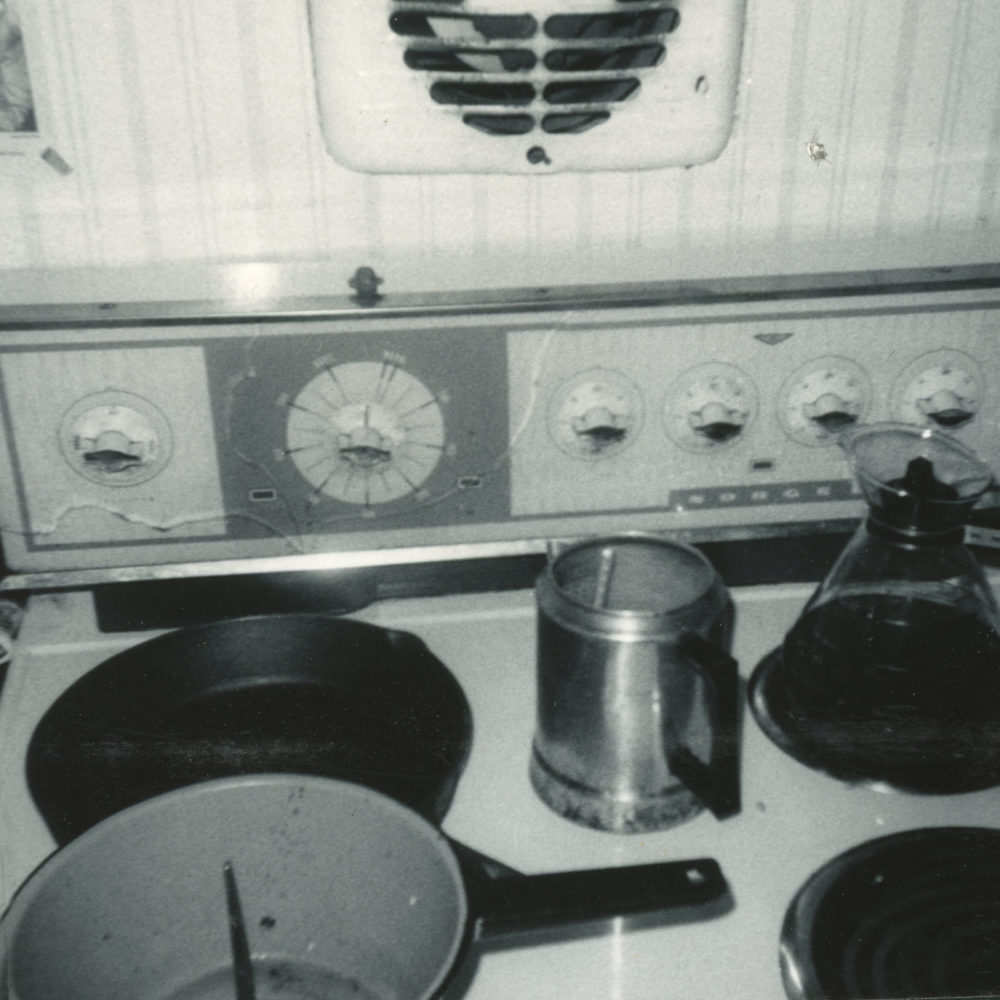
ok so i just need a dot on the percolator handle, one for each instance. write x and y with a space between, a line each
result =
717 783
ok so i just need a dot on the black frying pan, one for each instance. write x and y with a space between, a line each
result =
304 694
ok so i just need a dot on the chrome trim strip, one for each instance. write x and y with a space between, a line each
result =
319 561
593 297
377 558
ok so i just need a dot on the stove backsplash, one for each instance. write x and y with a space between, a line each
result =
337 439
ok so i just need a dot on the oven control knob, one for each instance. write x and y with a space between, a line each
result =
115 438
940 389
823 398
710 407
365 432
595 414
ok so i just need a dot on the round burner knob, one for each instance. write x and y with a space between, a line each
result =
947 408
115 438
940 389
595 414
823 398
710 407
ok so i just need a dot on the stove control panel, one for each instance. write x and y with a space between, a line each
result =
750 436
289 435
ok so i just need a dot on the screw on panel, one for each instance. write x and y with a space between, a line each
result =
537 155
365 283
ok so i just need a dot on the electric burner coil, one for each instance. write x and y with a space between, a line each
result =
914 915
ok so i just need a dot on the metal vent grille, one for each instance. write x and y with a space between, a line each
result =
525 85
508 74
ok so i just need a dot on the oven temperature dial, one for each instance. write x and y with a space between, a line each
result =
365 432
115 438
710 407
823 398
595 414
940 389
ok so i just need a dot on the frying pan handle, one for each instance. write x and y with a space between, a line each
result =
513 903
717 783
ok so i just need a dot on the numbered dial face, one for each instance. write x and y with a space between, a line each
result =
115 438
596 414
365 432
940 389
709 407
822 399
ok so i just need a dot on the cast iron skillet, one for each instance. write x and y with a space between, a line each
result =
303 694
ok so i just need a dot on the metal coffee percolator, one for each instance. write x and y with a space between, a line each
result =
638 698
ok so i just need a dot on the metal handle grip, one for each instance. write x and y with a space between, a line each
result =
515 903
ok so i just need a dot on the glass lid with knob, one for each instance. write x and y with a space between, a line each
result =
916 480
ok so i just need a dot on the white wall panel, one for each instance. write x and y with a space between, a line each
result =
192 132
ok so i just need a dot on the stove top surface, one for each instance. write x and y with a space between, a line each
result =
794 820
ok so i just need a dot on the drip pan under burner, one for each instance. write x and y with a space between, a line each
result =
872 745
912 915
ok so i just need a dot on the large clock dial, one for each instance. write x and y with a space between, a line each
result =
366 432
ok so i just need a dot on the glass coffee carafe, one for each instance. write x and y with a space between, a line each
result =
892 672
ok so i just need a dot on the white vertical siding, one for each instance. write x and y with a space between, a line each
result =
192 131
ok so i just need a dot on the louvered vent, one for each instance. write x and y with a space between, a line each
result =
509 74
475 85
